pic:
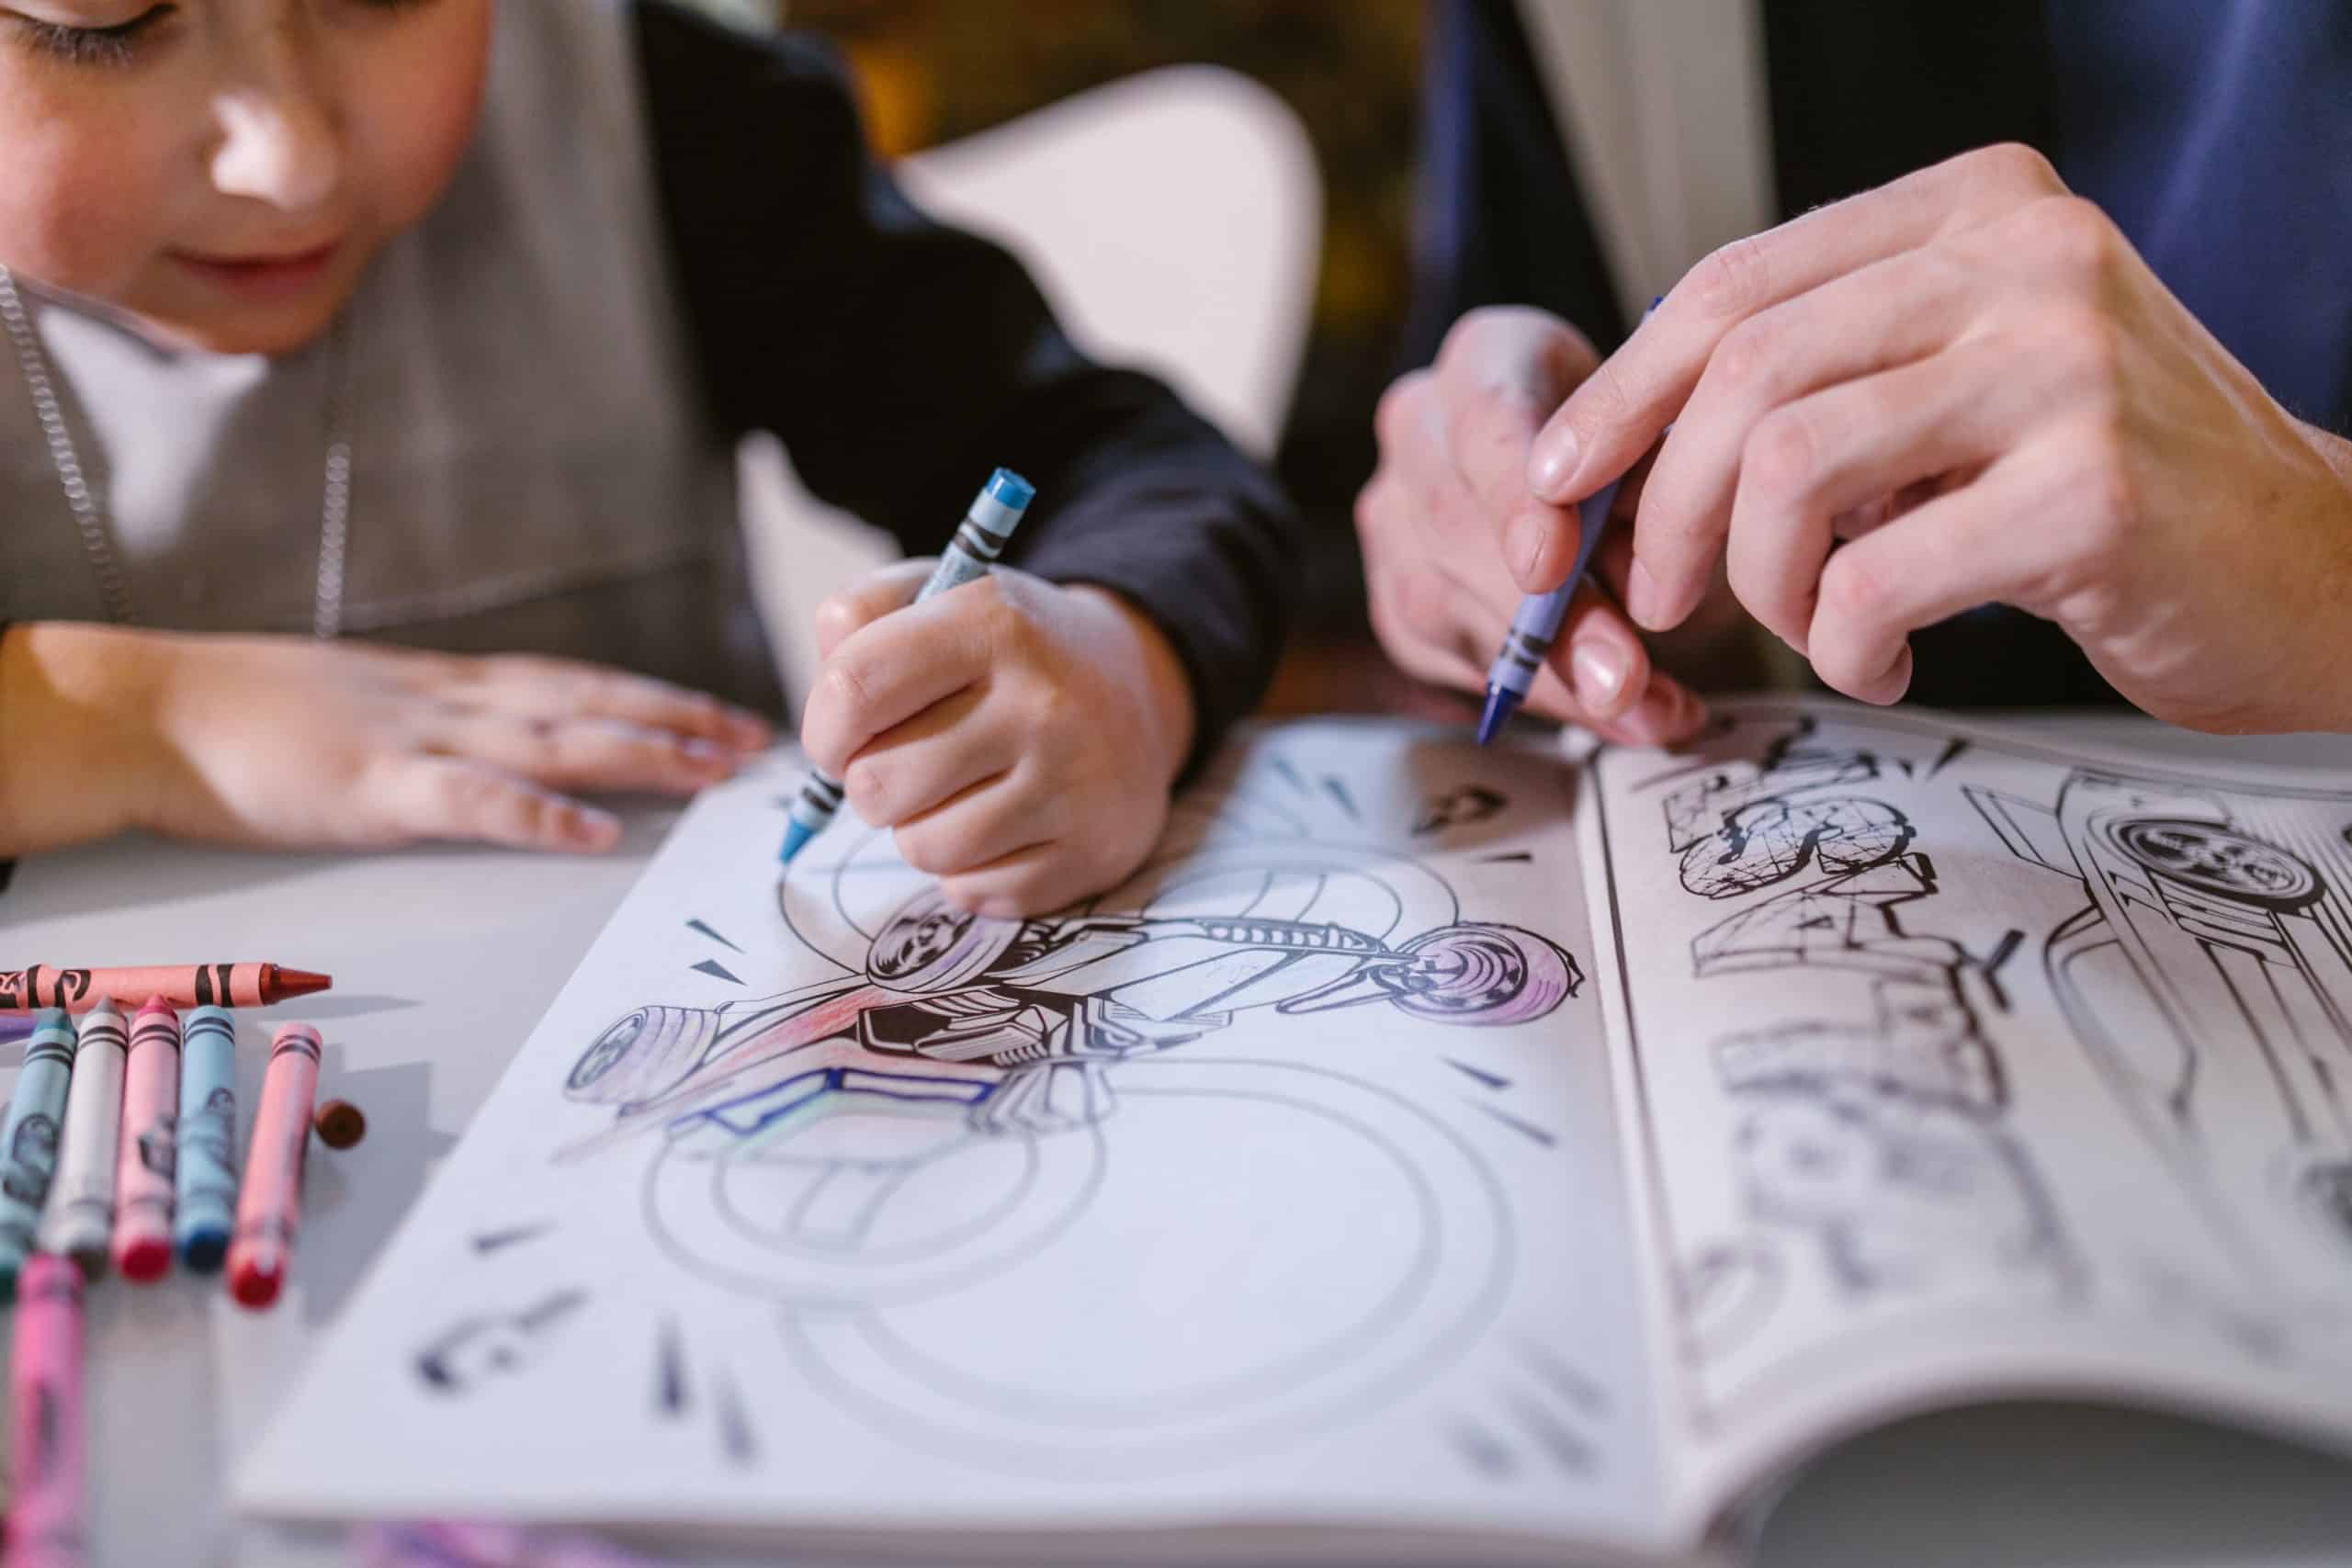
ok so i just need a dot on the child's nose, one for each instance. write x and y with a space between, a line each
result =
278 147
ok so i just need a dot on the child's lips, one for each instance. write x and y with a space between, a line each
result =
273 275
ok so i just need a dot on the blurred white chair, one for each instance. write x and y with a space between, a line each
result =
1174 222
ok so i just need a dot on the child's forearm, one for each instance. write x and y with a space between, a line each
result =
69 767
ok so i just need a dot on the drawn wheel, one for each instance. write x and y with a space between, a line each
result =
1485 975
928 946
643 1054
2216 860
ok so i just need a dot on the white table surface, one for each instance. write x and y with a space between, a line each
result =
445 959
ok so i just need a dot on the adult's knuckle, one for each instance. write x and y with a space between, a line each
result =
1732 280
1853 593
2080 242
1747 358
1783 455
2014 169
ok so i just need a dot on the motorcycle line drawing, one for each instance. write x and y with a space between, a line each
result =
882 1151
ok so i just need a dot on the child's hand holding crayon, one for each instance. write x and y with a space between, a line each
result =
284 740
1018 737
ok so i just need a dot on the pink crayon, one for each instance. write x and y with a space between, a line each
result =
45 1416
269 1202
145 1156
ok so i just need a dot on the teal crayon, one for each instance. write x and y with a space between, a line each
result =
987 528
206 1186
28 1139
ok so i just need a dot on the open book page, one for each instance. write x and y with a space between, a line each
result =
1958 1065
1277 1187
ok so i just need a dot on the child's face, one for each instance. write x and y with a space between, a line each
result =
220 171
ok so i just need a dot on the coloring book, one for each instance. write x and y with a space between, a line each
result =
1432 1150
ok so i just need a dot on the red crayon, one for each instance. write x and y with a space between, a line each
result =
145 1154
181 984
45 1451
269 1200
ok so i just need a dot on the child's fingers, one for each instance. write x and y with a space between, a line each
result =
1034 881
984 823
536 686
889 670
584 754
459 798
912 768
867 600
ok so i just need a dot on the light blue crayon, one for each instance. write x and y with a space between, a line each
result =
996 511
204 1195
28 1139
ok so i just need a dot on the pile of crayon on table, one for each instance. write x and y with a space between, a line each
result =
119 1148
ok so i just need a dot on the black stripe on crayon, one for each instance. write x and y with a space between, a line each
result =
978 542
210 1026
49 1051
150 1031
221 982
301 1042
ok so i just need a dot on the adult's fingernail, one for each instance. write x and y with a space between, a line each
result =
1654 721
701 751
1523 543
1602 670
1552 464
1645 600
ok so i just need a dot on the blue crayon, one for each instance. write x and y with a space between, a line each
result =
1529 642
204 1196
996 511
28 1139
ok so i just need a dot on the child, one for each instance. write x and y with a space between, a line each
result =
435 321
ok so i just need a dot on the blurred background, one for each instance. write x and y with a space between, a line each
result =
933 70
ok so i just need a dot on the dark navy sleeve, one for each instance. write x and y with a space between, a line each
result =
900 361
1498 216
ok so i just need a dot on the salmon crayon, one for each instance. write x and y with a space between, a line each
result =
206 1184
142 1172
81 1203
271 1204
182 985
45 1417
28 1139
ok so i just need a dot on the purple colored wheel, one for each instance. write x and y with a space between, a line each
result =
1485 975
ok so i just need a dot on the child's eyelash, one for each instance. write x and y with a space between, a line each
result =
89 46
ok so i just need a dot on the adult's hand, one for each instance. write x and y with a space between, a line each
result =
1971 379
1453 536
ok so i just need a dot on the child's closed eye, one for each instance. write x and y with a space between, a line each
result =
114 44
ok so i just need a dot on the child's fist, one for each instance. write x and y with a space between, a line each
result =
1018 738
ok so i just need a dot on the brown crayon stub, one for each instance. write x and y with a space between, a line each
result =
339 1124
